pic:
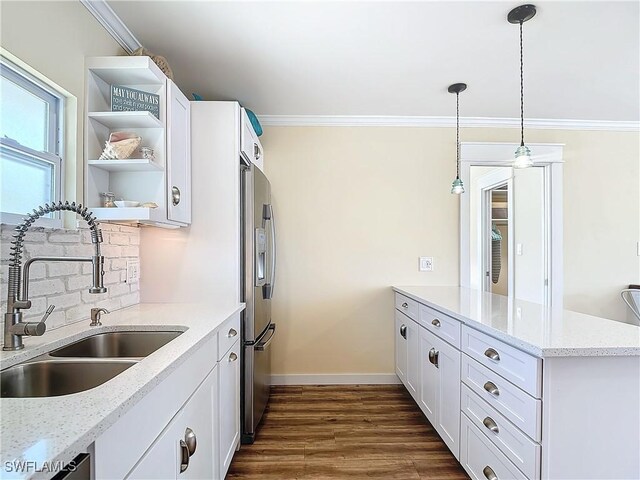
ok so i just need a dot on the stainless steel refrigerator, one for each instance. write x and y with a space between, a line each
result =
258 256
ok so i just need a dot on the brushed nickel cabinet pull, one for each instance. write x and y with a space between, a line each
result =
489 473
433 357
191 441
435 322
492 388
492 354
403 331
175 195
233 357
491 424
405 305
232 332
184 456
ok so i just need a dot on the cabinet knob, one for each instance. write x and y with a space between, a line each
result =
492 354
489 473
191 441
232 332
403 331
256 151
491 424
492 388
184 456
233 357
435 322
405 305
175 195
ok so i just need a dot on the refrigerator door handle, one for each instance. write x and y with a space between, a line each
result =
262 345
267 215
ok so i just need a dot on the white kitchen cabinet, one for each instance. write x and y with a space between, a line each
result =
413 362
250 146
439 396
135 178
179 155
184 449
229 406
401 346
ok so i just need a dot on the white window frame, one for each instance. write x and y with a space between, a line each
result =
55 143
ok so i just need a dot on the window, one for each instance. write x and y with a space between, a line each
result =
31 168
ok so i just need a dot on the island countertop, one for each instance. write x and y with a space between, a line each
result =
56 429
537 329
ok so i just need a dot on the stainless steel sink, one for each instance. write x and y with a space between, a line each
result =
52 378
117 345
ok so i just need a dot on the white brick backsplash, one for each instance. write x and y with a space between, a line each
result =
66 285
119 239
61 269
46 287
64 237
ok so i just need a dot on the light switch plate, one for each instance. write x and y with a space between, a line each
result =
425 264
133 271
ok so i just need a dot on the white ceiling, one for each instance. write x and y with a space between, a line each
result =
582 59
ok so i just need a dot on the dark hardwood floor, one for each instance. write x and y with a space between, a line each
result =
345 432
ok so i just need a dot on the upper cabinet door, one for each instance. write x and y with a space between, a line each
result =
179 155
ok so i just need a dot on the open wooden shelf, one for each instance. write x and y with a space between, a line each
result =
126 165
126 119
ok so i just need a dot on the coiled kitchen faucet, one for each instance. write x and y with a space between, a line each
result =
18 282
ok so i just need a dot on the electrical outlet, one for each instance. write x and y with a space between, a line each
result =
426 264
133 271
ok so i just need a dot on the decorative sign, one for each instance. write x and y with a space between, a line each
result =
125 99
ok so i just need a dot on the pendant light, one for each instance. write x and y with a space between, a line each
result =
520 15
457 187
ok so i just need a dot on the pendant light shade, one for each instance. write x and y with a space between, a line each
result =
519 15
457 187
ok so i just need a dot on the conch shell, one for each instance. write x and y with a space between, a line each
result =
120 146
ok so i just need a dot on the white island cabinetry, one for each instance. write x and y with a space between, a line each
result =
517 390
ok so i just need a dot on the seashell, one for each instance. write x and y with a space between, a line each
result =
120 146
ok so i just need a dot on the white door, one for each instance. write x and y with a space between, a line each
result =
401 346
413 362
229 406
429 376
178 155
448 401
160 462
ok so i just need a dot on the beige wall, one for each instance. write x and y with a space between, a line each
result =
54 37
356 207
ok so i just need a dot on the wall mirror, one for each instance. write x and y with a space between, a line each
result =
511 222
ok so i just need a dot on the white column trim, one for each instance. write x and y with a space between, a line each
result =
101 10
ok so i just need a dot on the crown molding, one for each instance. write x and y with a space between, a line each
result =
112 24
416 121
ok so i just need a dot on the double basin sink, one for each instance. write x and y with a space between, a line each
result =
81 365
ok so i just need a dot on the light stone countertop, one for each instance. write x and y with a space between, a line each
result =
56 429
534 328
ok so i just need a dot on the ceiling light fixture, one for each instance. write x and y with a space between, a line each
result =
520 15
457 187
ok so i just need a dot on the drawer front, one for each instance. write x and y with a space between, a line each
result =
519 407
445 327
228 334
523 452
407 306
519 368
481 459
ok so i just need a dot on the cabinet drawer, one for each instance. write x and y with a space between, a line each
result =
515 445
519 368
518 406
445 327
228 333
407 306
481 459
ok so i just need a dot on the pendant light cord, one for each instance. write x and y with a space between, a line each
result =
457 134
521 90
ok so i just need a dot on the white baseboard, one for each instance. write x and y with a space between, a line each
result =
336 379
